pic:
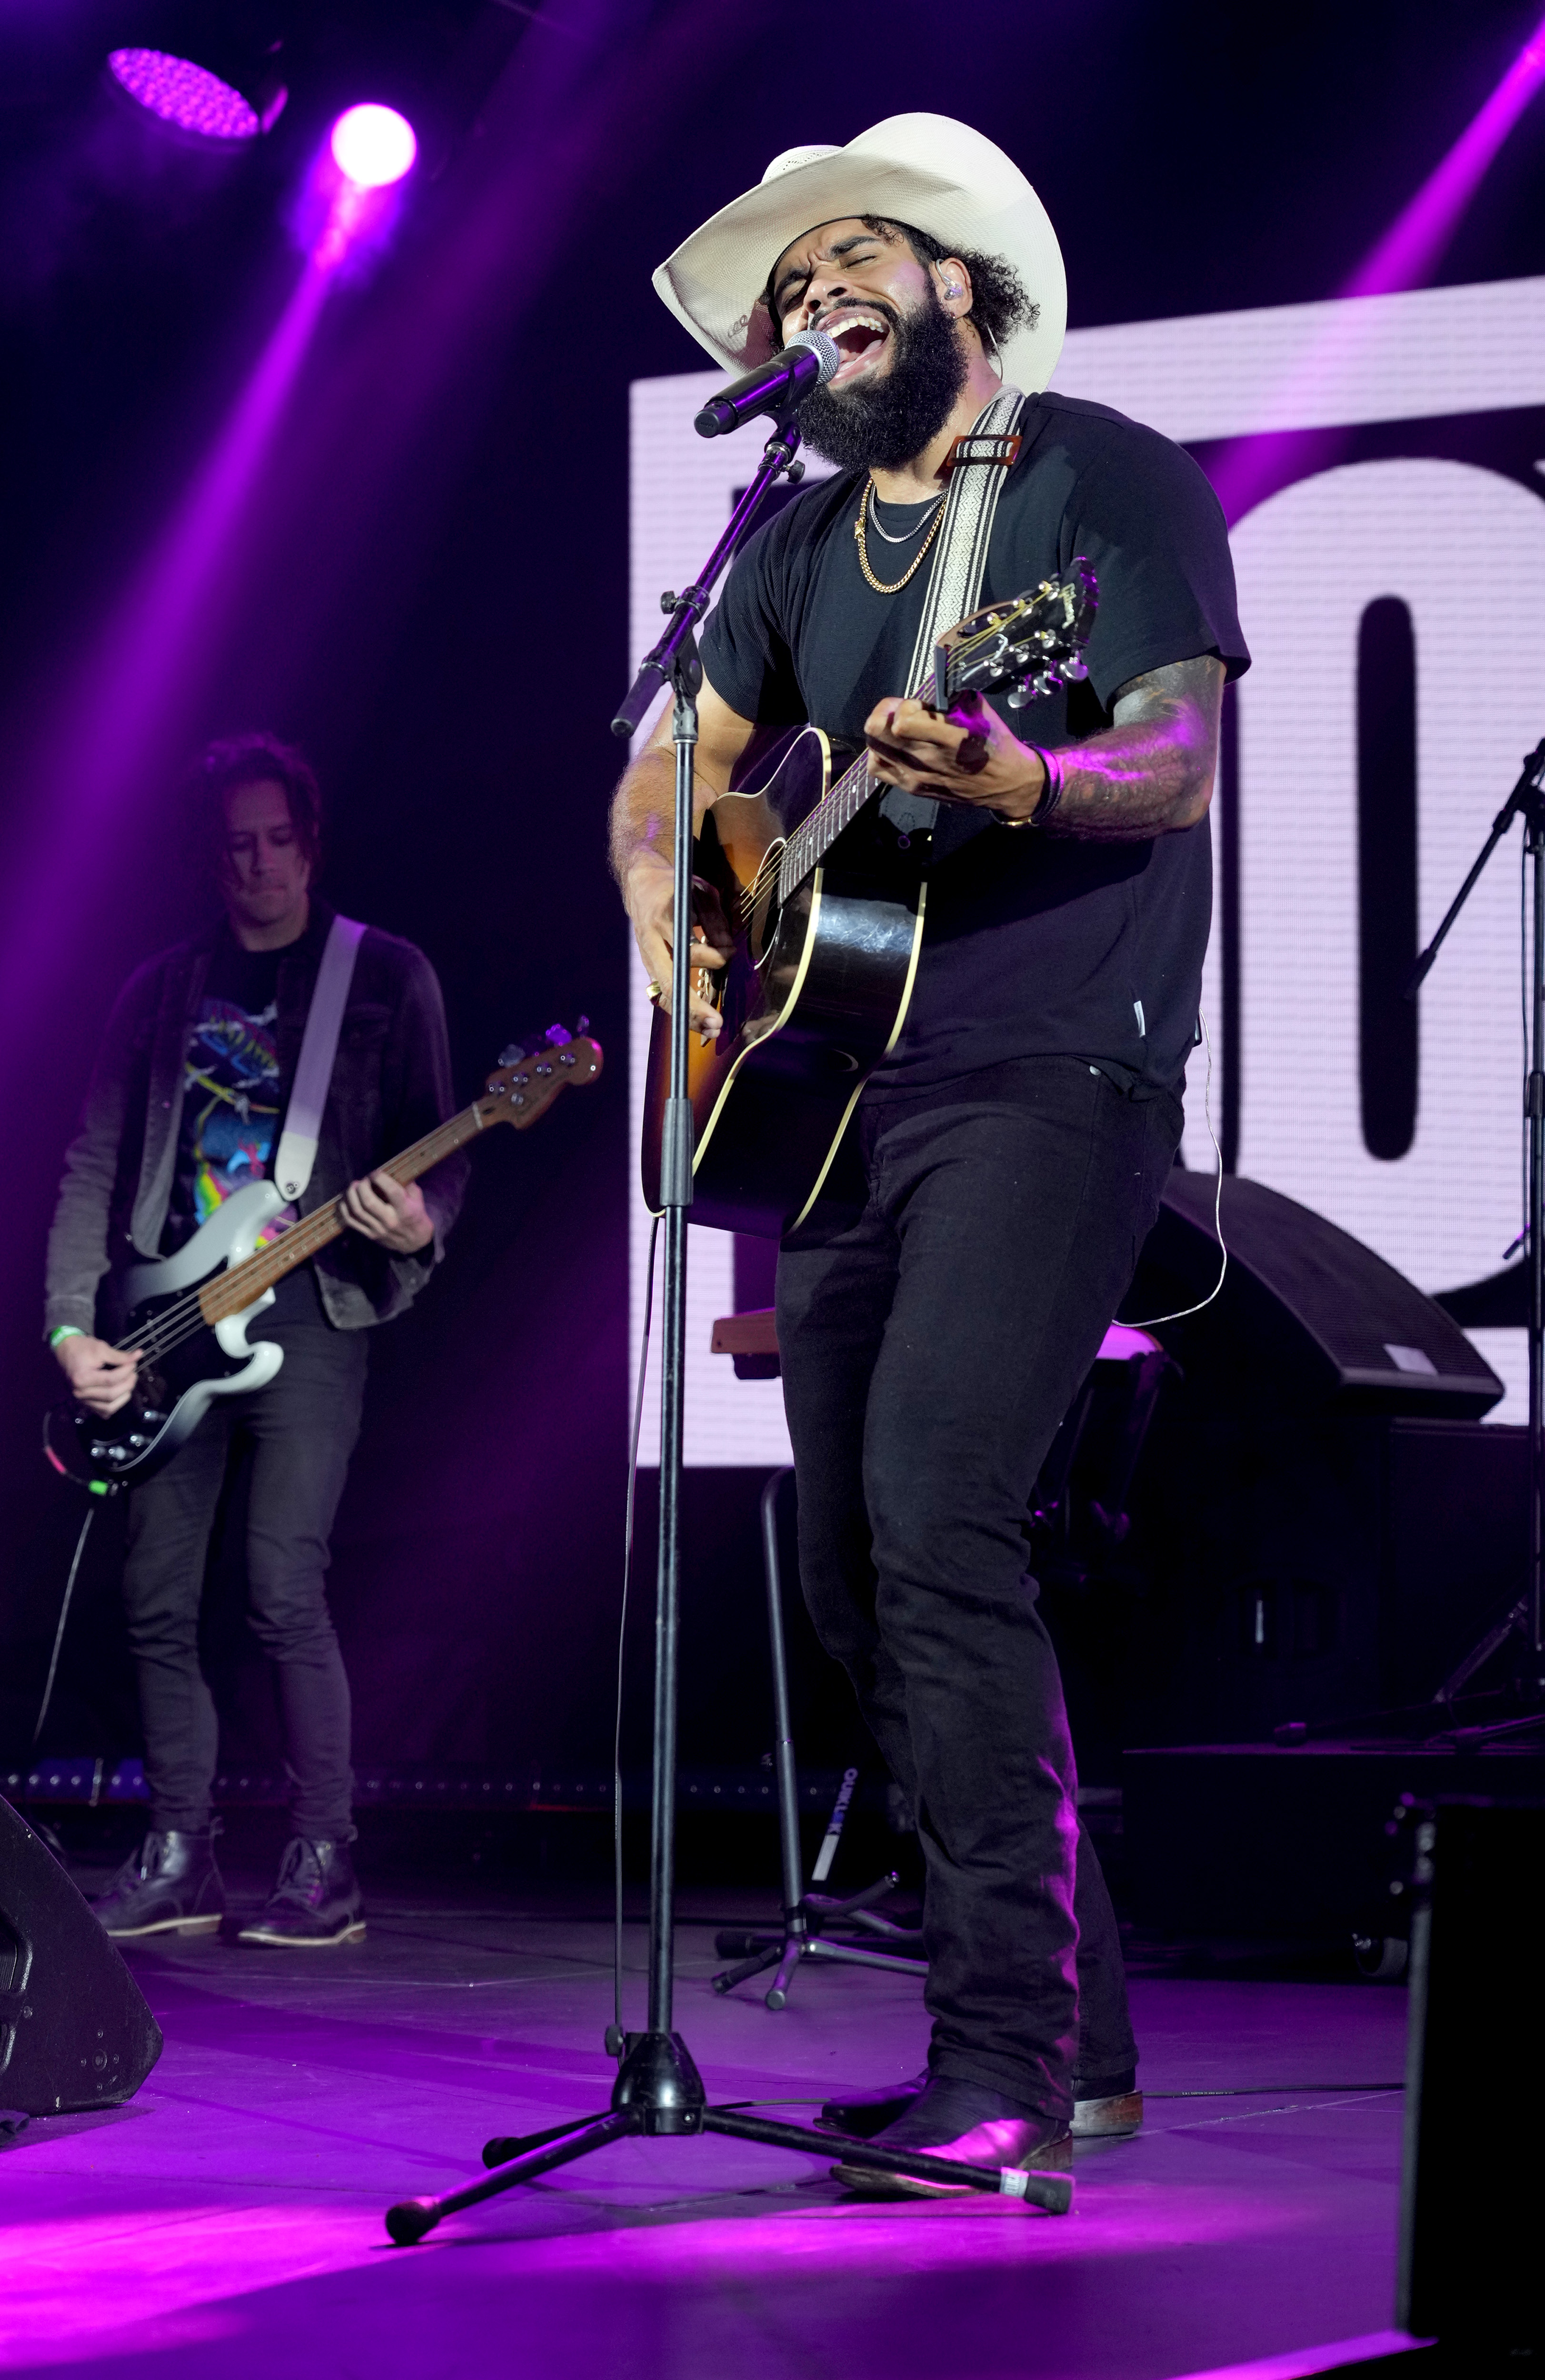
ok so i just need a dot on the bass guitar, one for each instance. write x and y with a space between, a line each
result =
826 903
188 1313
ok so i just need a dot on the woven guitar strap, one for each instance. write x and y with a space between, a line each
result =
960 556
959 563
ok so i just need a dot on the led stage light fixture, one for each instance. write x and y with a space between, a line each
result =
194 99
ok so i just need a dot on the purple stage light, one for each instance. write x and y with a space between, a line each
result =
186 95
373 146
1409 250
1404 257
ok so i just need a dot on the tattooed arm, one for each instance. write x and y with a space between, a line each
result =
1149 774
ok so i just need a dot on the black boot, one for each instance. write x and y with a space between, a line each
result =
317 1899
1110 2109
169 1886
861 2114
962 2121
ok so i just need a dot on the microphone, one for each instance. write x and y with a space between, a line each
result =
808 362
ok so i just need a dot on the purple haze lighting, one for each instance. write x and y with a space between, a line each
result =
185 94
1406 258
372 145
1410 248
122 723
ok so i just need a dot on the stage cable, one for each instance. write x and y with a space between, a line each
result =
64 1618
616 2034
1186 1311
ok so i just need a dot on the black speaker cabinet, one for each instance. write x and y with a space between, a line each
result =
1310 1304
75 2031
1321 1521
1473 2188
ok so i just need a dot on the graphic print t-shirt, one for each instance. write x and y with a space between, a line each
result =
233 1108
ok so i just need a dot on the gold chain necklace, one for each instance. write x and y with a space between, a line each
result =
878 584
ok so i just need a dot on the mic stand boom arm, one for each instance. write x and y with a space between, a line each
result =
1526 801
657 668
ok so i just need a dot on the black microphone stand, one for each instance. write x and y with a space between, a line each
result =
1527 1619
658 2087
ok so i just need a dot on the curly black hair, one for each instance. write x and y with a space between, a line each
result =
999 301
255 759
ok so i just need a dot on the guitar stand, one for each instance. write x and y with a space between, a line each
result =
658 2089
807 1915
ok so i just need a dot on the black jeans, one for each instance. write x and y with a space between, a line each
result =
930 1351
303 1428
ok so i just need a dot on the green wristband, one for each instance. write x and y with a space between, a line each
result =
63 1331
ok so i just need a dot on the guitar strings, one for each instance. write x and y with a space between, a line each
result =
841 805
847 798
180 1323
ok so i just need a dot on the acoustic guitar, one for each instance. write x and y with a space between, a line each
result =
826 900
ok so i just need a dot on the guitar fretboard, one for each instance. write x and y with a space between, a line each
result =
229 1293
810 842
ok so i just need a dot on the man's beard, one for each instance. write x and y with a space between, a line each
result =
883 423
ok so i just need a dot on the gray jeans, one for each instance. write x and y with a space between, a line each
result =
303 1429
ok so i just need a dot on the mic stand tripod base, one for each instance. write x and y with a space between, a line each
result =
523 2160
658 2080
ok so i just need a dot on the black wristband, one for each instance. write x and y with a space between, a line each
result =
1050 792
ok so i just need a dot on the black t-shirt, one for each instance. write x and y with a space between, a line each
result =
1033 945
235 1094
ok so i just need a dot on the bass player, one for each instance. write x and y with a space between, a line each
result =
1015 1142
184 1107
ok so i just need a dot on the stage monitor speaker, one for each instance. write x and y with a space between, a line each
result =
75 2031
1310 1301
1472 2211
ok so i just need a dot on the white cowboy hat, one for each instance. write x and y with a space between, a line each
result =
924 170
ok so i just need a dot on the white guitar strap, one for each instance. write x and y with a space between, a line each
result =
960 556
318 1047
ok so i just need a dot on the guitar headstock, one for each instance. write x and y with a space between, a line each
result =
532 1071
1034 643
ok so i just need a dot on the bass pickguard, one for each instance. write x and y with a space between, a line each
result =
174 1388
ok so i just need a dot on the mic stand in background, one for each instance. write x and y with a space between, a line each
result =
1527 1619
658 2087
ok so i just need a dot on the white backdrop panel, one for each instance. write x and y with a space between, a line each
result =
1465 549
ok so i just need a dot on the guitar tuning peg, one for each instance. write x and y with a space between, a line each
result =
1019 697
583 1024
1074 669
559 1036
512 1056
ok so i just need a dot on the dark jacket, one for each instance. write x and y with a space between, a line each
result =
391 1083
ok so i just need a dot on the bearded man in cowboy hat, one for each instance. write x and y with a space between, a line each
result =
1015 1142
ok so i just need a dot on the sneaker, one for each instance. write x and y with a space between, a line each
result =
169 1886
316 1900
966 2121
1112 2110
